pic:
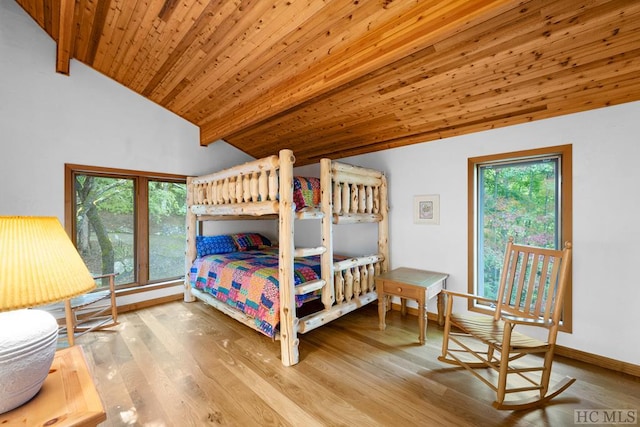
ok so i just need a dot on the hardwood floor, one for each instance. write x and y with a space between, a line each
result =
181 364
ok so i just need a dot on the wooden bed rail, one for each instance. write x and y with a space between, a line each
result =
356 191
252 189
354 277
353 287
247 183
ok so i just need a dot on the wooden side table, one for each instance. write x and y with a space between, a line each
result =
68 396
409 283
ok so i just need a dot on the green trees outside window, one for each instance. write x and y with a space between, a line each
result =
518 199
167 229
105 225
129 223
526 195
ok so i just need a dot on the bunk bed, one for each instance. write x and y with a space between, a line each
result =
264 189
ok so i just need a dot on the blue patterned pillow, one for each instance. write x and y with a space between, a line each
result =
210 245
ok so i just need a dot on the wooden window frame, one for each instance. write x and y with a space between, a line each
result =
566 196
141 180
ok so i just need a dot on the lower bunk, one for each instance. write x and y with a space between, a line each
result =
244 285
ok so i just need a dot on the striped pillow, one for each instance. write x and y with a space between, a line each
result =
251 241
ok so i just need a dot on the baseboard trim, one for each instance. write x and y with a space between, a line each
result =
148 303
570 353
601 361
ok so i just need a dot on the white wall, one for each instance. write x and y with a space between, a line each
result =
606 200
47 119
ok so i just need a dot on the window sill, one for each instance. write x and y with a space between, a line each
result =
136 289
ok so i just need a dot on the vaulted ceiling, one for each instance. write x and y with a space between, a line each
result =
333 78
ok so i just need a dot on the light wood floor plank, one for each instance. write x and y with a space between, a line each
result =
180 364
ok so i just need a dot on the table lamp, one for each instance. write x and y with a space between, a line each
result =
38 265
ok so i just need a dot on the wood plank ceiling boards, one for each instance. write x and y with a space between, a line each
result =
344 77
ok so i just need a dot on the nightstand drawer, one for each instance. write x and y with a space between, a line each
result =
402 290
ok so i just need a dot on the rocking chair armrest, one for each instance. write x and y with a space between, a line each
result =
468 296
508 318
111 277
102 276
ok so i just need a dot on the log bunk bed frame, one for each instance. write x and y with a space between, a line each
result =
264 189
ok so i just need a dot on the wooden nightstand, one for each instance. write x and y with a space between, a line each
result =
68 396
419 285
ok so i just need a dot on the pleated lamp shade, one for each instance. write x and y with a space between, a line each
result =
38 265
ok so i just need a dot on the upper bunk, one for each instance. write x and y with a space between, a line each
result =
349 194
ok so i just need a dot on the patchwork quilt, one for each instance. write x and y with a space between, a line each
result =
306 192
248 281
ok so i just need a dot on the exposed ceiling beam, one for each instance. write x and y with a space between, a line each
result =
65 36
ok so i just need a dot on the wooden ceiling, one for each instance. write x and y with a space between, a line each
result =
334 78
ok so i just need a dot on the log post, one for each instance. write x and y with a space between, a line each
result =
246 188
207 194
354 199
371 274
190 252
219 193
254 187
225 191
362 199
346 198
339 286
263 186
376 200
232 190
239 189
383 226
337 198
199 196
288 319
364 279
326 259
273 184
213 193
348 284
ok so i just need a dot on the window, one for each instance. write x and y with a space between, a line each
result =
128 222
526 195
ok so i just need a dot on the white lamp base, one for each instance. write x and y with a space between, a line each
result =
28 341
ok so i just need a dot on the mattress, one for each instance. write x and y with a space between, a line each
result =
248 281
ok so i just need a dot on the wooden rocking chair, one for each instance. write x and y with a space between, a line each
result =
532 287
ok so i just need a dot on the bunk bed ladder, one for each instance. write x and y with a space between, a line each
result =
289 323
350 195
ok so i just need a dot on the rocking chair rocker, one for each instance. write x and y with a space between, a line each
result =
532 286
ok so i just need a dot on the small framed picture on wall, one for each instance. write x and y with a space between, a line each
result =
426 209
